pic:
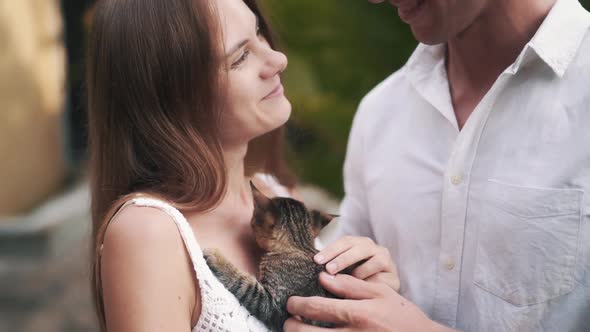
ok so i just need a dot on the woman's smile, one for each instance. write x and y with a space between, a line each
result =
276 92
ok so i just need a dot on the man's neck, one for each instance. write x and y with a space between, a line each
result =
494 40
479 54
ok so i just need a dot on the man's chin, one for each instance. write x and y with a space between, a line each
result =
428 37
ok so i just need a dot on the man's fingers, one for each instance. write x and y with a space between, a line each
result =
349 287
321 309
360 246
333 250
376 264
349 257
388 278
293 325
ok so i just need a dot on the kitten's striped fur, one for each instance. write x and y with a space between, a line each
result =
286 230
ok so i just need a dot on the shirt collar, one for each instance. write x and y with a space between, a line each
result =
559 37
556 43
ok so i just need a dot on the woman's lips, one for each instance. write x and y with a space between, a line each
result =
277 91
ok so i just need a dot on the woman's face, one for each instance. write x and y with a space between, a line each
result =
255 103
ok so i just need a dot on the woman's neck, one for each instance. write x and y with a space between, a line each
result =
236 205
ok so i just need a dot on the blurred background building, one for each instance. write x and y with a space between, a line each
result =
338 50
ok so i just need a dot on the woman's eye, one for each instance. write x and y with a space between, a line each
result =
244 55
242 58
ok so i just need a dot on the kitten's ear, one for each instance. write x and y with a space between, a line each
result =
321 219
263 220
260 201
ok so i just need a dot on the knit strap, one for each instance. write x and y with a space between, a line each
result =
220 310
194 249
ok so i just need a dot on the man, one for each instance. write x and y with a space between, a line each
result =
471 164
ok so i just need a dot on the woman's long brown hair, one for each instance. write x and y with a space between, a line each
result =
154 99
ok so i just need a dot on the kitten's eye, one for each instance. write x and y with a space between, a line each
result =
241 60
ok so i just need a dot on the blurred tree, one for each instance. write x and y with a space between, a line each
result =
338 50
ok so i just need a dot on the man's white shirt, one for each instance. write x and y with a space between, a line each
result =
489 225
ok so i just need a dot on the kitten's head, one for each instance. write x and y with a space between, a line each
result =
285 222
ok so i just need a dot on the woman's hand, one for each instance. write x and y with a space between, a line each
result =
374 262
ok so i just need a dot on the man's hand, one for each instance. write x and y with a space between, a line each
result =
366 307
376 264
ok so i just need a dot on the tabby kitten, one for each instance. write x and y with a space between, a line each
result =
285 229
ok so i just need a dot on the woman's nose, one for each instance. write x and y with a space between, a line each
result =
276 63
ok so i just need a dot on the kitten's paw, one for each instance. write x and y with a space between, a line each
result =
210 254
213 258
220 266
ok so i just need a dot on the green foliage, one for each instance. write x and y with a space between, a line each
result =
338 50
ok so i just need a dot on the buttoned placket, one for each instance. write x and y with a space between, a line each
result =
454 207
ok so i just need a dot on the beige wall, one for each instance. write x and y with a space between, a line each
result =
32 73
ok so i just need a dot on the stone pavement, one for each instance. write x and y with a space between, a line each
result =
44 267
54 296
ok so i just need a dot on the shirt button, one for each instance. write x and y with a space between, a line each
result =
450 264
456 179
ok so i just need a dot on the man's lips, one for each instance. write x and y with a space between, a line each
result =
408 12
406 5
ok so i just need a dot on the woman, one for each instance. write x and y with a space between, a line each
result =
185 103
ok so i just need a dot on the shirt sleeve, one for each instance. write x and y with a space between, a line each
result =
354 214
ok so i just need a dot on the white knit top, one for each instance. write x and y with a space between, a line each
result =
220 310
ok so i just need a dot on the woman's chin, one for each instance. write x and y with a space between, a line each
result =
278 113
271 116
286 111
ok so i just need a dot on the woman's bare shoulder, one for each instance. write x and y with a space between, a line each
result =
135 225
147 276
